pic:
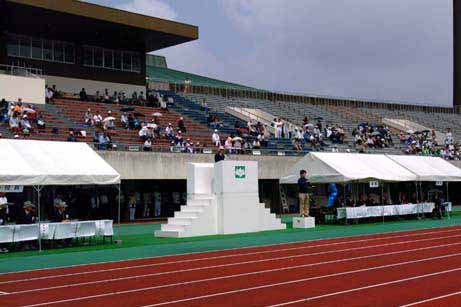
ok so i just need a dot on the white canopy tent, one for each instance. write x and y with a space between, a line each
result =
345 167
429 168
41 163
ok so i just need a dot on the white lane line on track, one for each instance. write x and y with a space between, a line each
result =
239 275
223 257
419 232
3 293
432 299
259 261
361 288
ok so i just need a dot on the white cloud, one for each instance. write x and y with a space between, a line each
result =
155 8
397 49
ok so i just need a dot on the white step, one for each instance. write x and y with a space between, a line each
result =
168 234
171 227
187 215
196 209
179 221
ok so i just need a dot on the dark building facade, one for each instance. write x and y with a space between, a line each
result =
78 44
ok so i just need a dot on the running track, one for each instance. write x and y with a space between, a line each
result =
408 268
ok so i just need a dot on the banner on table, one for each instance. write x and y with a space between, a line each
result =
11 188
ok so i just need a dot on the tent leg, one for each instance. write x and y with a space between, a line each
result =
119 187
448 199
38 189
382 198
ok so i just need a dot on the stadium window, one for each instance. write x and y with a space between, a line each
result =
108 59
48 50
98 57
126 61
136 63
58 50
69 53
88 56
13 46
24 47
36 49
117 60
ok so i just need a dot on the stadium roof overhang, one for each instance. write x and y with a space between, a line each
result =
91 24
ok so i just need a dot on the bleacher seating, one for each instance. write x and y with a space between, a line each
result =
63 115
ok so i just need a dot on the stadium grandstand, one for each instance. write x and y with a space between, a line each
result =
78 74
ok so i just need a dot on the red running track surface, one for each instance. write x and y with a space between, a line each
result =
408 268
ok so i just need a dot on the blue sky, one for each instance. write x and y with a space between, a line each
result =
393 50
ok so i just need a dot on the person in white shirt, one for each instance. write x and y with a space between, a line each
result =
278 125
124 120
216 139
97 119
169 132
144 133
3 199
88 118
48 94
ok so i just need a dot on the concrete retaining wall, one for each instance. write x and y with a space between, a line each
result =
148 165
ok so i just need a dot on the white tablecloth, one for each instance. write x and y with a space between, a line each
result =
389 210
55 231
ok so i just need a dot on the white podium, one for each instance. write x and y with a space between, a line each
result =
303 222
222 198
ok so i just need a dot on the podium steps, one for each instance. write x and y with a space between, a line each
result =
193 219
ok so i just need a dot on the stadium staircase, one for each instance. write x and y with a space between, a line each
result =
193 109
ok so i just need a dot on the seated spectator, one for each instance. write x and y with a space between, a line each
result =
169 132
370 201
179 141
181 125
124 120
25 123
141 98
115 98
41 123
163 105
88 118
215 138
109 122
189 145
256 144
14 122
97 119
83 95
147 145
27 215
144 133
48 94
134 97
71 137
106 96
361 201
56 93
349 202
297 145
97 97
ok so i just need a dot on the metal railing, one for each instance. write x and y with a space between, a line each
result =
22 71
251 93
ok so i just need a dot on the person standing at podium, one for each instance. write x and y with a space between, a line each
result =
303 193
220 156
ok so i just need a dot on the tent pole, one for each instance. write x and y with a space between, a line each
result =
382 197
38 189
119 202
448 198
